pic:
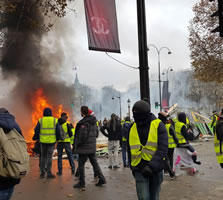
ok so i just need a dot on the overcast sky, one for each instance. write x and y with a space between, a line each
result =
167 23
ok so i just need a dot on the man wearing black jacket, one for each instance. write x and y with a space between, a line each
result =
85 146
65 144
7 122
147 148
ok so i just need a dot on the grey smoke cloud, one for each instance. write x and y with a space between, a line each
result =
167 23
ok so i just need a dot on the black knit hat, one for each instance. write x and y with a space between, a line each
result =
64 114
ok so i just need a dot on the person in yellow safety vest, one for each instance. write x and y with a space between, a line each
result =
218 140
65 144
73 134
182 136
147 147
172 143
125 129
47 131
214 119
122 122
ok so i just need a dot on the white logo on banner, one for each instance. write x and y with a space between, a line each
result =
100 25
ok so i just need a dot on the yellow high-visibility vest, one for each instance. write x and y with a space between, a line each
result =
187 121
178 127
138 151
214 117
67 137
217 149
48 129
171 142
73 135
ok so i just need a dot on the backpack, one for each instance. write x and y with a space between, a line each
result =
14 158
62 133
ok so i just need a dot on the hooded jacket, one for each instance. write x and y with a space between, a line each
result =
85 135
46 112
7 122
157 163
61 121
113 128
182 118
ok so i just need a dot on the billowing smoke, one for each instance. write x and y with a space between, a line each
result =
31 64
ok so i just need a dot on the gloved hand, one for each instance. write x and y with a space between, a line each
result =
147 171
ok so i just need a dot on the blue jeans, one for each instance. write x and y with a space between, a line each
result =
148 189
6 194
66 146
124 152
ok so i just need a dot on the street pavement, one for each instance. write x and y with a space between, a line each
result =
205 185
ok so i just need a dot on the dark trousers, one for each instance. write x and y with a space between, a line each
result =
46 157
66 146
170 156
124 153
93 160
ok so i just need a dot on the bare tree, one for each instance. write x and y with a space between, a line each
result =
206 47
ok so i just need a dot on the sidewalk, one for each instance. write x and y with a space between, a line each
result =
206 185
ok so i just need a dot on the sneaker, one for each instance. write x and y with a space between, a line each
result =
42 175
116 167
101 182
173 177
79 185
49 176
59 173
110 167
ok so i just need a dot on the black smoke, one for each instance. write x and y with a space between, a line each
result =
24 61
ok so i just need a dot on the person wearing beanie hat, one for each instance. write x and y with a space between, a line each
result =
172 143
183 136
147 148
47 131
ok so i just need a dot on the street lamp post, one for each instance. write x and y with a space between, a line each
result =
158 52
129 113
166 71
120 104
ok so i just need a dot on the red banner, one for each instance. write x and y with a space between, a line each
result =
102 25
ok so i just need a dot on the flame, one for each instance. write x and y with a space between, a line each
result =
39 102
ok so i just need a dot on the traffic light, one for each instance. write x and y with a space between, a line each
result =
156 105
219 13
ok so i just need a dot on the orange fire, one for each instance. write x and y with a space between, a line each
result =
39 102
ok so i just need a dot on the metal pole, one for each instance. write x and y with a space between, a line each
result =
159 80
120 107
142 45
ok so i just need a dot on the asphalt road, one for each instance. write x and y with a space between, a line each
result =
206 185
